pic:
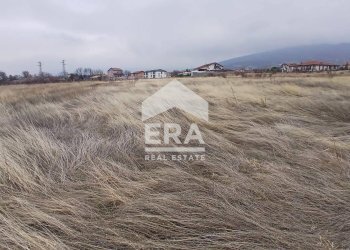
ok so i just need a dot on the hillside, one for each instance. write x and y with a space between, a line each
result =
339 53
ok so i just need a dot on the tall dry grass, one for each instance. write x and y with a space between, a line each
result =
276 175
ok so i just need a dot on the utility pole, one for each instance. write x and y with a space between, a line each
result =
64 68
40 69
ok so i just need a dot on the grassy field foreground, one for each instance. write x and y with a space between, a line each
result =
276 175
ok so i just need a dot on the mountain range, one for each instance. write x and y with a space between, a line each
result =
334 53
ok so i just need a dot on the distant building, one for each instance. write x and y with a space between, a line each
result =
309 66
346 66
96 77
184 73
289 67
204 69
137 75
114 73
157 73
210 67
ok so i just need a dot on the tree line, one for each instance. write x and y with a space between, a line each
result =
80 74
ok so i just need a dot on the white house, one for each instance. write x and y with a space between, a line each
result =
309 66
201 70
157 73
210 67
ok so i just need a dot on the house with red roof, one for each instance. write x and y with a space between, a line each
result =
309 66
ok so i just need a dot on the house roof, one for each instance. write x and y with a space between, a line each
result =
94 77
311 63
138 72
117 69
290 64
156 70
206 65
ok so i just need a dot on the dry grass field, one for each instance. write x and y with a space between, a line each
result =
276 174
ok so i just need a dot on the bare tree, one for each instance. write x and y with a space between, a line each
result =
3 76
87 72
79 71
26 74
126 72
13 78
97 72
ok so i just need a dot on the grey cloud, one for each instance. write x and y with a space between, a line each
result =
154 33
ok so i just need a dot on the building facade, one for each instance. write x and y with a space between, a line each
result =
210 67
137 75
114 73
207 68
157 73
309 66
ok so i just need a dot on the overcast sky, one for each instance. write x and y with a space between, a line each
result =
169 34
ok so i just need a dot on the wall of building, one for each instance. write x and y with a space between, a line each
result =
155 74
308 68
114 73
